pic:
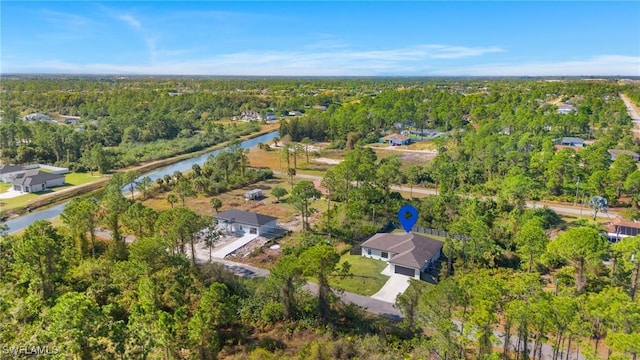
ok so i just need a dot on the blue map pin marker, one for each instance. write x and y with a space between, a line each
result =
408 216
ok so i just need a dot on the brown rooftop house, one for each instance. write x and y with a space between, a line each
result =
618 229
615 153
36 180
395 139
407 254
245 222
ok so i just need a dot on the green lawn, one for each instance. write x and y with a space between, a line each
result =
74 178
4 186
366 278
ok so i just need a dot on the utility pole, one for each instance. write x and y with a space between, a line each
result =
575 203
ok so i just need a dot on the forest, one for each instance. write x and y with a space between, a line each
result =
516 283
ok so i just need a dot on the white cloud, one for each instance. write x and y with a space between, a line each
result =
605 65
132 21
420 60
336 61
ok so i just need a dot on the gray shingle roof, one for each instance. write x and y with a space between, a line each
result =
245 217
5 169
33 177
410 249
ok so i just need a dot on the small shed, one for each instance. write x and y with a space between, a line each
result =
253 194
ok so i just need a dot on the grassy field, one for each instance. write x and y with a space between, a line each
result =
80 178
4 187
271 159
234 200
366 279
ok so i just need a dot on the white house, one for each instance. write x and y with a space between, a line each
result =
245 222
407 253
8 172
36 180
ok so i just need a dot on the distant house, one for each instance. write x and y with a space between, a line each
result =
8 172
395 139
36 180
250 116
254 194
270 117
572 141
426 133
615 153
37 117
407 253
618 229
320 107
294 113
241 222
565 109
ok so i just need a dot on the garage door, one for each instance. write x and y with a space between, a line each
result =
404 270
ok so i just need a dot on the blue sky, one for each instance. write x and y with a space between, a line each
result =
321 38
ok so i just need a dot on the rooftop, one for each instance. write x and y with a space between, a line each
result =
245 217
411 249
32 177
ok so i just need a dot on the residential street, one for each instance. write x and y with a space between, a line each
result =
561 209
633 113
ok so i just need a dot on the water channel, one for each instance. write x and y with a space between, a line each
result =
19 223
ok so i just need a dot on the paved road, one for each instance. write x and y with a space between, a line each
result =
633 113
561 209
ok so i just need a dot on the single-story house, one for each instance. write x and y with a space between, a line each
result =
572 141
395 139
254 194
241 222
565 109
8 172
36 180
618 229
320 107
407 253
614 154
250 115
270 117
37 117
294 113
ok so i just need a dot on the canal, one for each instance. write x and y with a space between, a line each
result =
49 213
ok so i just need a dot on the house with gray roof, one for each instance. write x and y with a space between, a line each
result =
8 172
36 180
242 222
572 141
407 253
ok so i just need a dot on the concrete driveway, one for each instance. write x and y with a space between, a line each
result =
395 286
229 248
